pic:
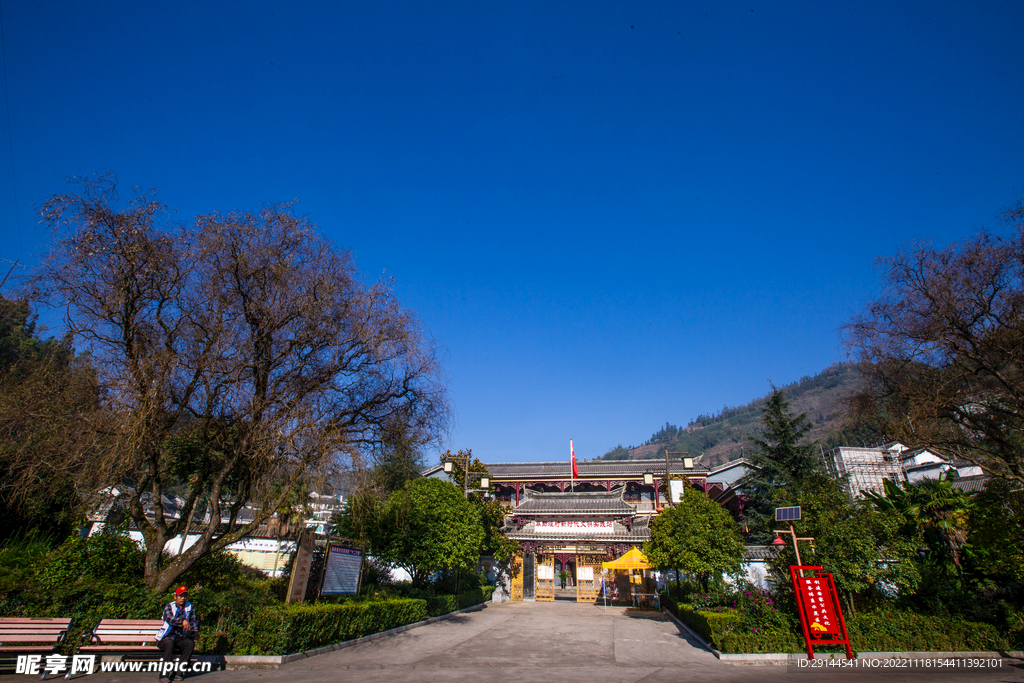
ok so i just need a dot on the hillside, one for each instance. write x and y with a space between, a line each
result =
722 437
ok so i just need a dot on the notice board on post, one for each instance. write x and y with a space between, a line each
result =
342 570
817 601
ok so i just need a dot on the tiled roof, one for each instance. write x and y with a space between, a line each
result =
926 466
912 452
959 462
588 503
639 531
732 463
588 469
759 552
972 484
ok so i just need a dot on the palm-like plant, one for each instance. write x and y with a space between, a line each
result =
933 507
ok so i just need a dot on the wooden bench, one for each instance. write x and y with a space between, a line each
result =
43 637
123 636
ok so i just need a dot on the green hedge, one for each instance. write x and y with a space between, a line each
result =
443 604
761 642
884 631
892 631
301 627
711 626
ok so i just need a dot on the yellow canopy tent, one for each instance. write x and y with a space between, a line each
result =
634 559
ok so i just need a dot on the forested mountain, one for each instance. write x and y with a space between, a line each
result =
722 437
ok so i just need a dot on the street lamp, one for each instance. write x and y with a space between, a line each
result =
687 465
449 468
789 514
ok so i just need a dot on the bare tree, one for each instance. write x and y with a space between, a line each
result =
943 348
237 355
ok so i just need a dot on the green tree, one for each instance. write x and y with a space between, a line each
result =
397 462
865 549
427 526
48 397
696 536
936 509
492 513
995 541
779 462
495 543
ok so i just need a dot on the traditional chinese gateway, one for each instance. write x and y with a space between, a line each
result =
573 525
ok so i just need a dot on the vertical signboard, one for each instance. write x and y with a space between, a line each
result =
342 570
300 570
817 601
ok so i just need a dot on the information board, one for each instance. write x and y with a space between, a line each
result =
342 571
817 601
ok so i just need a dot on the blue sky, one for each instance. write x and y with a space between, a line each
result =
609 216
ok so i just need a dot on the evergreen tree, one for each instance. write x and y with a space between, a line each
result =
779 462
698 537
47 393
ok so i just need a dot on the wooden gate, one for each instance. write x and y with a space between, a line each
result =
517 578
588 577
545 578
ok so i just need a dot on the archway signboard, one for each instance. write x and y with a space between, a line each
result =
817 601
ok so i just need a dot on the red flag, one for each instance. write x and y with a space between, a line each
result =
572 451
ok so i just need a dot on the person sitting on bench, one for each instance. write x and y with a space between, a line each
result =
181 629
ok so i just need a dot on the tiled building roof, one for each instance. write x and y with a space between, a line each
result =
637 532
759 552
589 503
971 484
590 469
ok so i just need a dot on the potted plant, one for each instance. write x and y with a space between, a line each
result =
563 576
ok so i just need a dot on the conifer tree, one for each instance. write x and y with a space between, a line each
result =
780 463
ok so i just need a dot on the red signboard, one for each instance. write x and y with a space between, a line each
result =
818 604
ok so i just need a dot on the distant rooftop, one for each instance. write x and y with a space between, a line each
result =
589 469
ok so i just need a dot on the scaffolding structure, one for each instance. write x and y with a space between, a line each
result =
863 469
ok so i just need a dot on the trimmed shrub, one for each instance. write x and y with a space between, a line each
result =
297 628
711 626
443 604
475 596
761 642
890 631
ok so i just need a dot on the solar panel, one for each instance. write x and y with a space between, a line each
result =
787 514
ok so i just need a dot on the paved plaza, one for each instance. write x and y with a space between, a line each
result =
555 641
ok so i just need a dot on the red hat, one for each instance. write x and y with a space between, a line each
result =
181 590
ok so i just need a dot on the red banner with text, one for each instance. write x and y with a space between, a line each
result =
817 601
